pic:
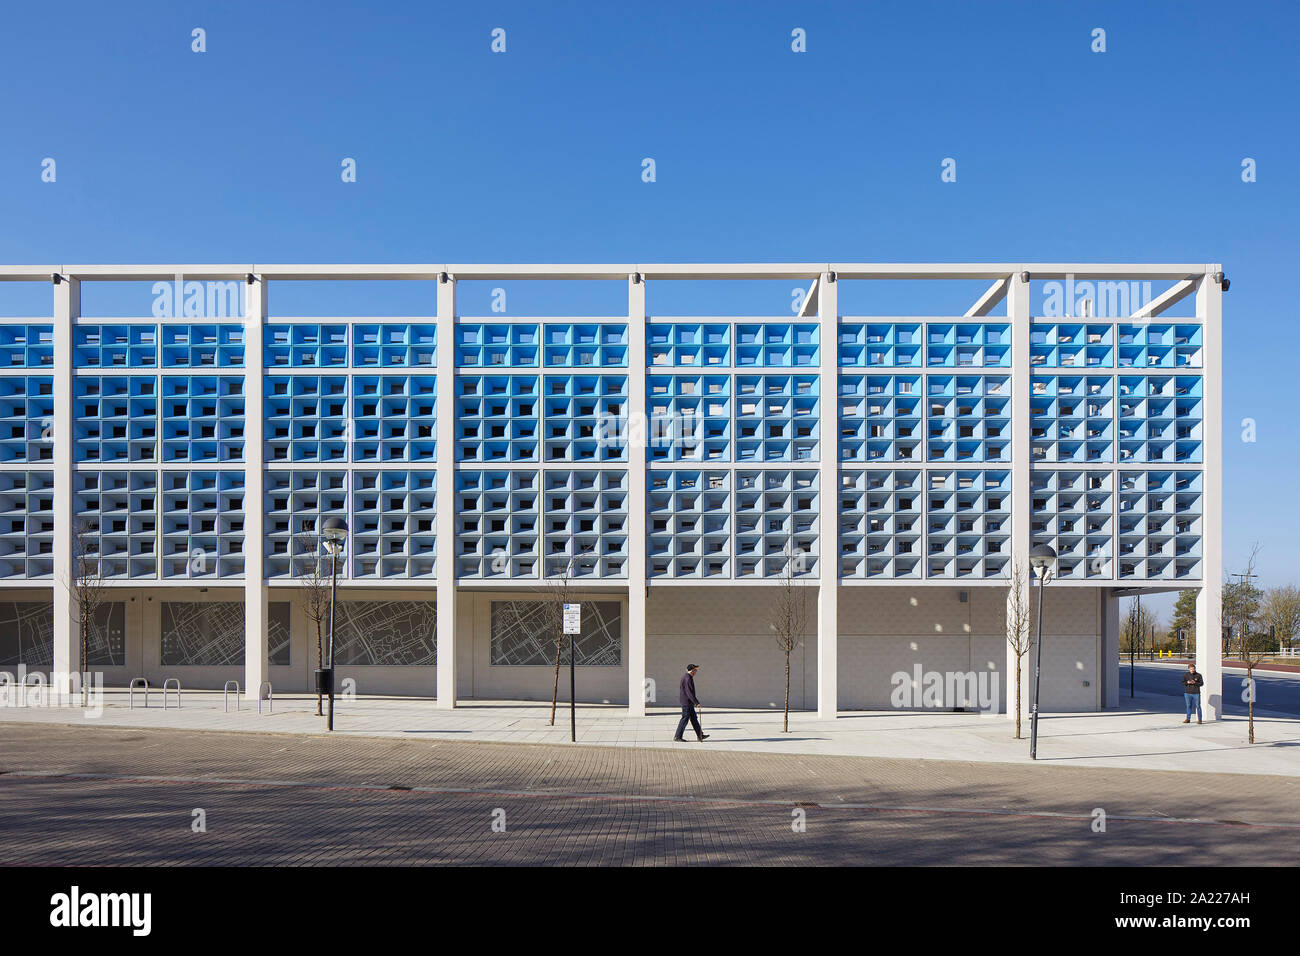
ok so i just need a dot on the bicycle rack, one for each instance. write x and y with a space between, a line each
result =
270 698
225 702
144 682
177 688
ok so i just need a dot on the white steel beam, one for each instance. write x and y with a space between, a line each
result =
445 479
1166 299
1209 636
828 496
990 299
1018 313
637 599
256 619
67 647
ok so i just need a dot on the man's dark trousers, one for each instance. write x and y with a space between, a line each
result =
688 713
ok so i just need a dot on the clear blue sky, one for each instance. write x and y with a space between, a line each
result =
233 155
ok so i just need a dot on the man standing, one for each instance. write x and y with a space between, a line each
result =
686 697
1192 682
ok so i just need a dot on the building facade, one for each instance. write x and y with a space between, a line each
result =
671 474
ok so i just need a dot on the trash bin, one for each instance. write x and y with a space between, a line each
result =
324 680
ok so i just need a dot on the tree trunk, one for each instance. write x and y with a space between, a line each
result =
785 726
555 691
1250 723
85 650
1017 698
320 660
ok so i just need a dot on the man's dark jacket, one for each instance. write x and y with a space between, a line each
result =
1192 682
686 692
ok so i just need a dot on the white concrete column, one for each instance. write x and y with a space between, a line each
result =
445 521
636 499
1209 629
828 498
1021 498
1109 669
67 645
256 638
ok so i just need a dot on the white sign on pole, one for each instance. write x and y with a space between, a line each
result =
573 619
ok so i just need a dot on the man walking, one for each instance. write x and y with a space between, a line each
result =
686 697
1192 682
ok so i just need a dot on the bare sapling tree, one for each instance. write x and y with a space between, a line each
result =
789 616
1020 635
88 591
555 590
1240 611
313 573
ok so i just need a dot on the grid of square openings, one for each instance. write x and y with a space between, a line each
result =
203 418
296 502
776 522
582 344
584 414
394 418
1072 344
1073 511
202 524
306 418
136 345
26 524
688 344
689 524
1160 524
26 418
1160 418
968 523
394 345
586 523
880 418
968 417
891 344
690 417
497 524
722 343
881 529
115 418
1159 345
1072 418
370 344
965 345
118 512
777 417
26 346
503 345
393 524
497 418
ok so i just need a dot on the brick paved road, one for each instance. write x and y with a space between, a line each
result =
72 795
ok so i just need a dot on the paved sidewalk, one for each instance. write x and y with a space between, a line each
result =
126 796
1152 737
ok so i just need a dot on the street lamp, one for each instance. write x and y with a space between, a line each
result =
1041 559
335 533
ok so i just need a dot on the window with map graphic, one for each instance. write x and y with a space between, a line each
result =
27 633
523 634
106 636
386 632
211 633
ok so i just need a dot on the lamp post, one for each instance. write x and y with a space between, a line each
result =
335 533
1041 559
